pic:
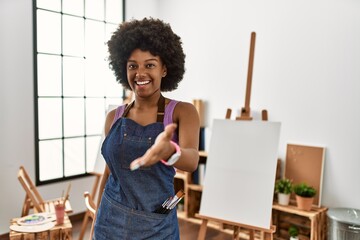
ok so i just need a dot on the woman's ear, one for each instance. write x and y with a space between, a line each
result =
165 71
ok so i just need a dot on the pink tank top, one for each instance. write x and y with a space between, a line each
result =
168 116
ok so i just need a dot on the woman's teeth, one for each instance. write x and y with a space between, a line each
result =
142 82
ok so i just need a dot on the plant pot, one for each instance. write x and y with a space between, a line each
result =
283 199
304 203
294 238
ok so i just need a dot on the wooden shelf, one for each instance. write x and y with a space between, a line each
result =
192 191
203 154
182 175
311 224
294 210
195 187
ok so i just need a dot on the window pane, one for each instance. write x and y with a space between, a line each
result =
48 32
49 75
74 161
92 149
50 159
94 72
109 30
73 36
74 117
73 78
95 115
112 87
49 4
94 9
94 39
75 7
114 11
112 103
49 117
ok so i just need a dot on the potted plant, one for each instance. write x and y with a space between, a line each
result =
293 232
283 188
304 196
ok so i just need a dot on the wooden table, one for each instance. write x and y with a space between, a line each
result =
58 232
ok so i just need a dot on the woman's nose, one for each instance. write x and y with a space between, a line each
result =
138 74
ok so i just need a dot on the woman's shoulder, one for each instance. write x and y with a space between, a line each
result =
183 104
109 120
184 108
113 115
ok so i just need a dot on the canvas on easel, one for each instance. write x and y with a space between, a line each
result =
305 164
240 172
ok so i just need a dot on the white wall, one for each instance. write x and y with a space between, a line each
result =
306 75
138 9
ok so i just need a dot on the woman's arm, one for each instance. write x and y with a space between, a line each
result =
108 122
187 118
187 121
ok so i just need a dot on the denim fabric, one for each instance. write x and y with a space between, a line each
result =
131 197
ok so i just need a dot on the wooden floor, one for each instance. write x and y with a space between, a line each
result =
188 231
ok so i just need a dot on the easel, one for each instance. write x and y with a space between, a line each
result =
245 111
265 233
245 115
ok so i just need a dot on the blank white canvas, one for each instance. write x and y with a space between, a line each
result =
240 172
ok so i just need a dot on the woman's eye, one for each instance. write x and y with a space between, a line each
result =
131 66
150 65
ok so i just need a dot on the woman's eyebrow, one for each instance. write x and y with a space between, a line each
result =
147 60
151 59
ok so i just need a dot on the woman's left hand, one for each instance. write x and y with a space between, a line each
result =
162 149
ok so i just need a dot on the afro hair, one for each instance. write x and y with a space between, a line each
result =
151 35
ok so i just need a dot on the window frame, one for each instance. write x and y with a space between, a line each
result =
37 97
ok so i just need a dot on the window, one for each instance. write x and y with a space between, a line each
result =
73 83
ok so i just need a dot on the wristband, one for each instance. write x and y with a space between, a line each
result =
175 157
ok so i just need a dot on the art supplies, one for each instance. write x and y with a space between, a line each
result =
36 219
170 203
36 222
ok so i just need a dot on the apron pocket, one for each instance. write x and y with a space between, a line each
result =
117 221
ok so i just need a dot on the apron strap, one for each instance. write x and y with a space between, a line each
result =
127 108
160 113
161 109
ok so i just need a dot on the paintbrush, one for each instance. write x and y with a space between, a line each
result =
67 193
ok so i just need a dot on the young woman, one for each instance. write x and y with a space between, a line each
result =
148 138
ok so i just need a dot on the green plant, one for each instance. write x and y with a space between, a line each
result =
293 231
304 190
284 186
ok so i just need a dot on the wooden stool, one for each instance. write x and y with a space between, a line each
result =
61 232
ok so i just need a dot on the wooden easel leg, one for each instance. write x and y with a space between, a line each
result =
262 235
202 231
264 115
269 236
26 207
236 233
84 225
251 234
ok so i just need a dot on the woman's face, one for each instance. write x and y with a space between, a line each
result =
144 72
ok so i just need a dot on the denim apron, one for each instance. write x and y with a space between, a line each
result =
130 198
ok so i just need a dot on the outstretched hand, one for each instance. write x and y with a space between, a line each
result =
162 149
